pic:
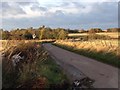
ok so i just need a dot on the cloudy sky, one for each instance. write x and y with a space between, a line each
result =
73 14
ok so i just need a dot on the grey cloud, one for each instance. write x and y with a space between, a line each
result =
59 13
11 10
38 8
64 4
106 7
79 5
5 5
27 3
119 15
24 3
103 15
35 5
106 12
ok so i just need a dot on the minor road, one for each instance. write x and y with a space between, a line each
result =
105 76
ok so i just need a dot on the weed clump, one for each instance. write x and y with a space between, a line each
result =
25 69
32 68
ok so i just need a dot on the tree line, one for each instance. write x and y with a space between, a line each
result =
95 30
31 33
46 33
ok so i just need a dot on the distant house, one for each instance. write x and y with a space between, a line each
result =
34 36
81 31
105 30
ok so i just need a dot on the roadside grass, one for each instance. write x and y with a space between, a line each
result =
37 70
6 44
105 57
52 72
16 76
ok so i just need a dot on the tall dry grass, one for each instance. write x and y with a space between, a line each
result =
6 44
36 70
93 45
103 50
26 69
111 34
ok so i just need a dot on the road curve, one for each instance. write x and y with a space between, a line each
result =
105 76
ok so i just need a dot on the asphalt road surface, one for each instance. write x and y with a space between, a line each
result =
75 65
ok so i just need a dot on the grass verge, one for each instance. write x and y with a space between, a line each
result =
50 70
